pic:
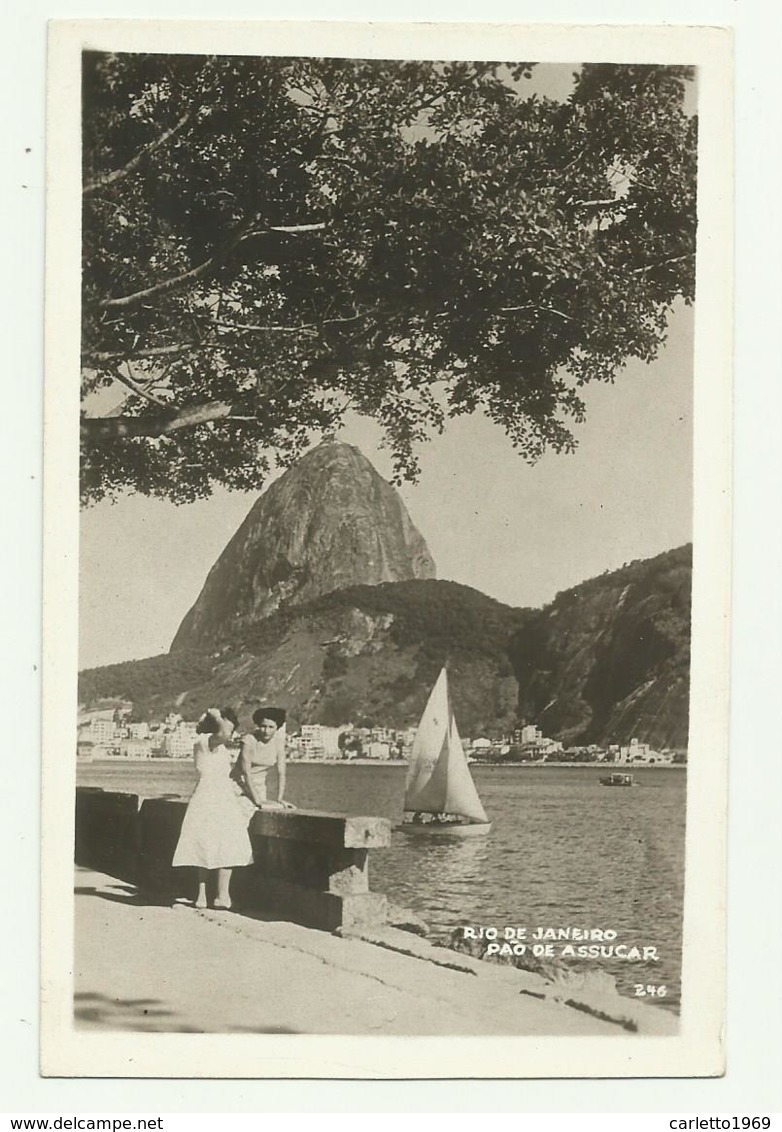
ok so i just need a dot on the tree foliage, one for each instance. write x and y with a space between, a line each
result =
269 242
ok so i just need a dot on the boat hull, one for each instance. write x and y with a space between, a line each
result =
445 829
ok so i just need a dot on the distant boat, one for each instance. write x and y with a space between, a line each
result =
440 795
617 780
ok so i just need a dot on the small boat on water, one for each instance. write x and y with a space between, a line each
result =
617 780
440 795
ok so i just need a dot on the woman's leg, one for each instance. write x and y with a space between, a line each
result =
200 901
223 888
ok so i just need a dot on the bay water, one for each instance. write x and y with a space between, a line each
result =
563 852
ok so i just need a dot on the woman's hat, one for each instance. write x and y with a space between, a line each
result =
275 714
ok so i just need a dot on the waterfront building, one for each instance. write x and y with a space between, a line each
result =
85 749
102 730
376 750
639 753
135 749
178 743
528 733
310 746
381 735
319 741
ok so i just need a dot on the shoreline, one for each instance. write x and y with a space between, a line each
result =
623 767
614 767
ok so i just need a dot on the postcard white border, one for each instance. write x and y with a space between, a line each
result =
698 1050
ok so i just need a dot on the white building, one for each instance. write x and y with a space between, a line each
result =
638 753
85 749
135 749
376 750
381 735
178 744
530 733
103 731
550 746
317 741
481 746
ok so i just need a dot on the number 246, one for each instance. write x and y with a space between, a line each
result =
650 991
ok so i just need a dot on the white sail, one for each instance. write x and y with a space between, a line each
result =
438 778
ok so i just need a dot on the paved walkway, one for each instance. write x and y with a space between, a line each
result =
140 966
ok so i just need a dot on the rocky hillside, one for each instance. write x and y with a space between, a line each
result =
610 659
328 523
606 661
368 654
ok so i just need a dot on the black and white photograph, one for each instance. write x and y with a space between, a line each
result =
388 442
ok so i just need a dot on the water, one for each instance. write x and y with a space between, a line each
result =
563 850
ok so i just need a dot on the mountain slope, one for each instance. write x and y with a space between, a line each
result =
367 654
329 522
610 659
605 661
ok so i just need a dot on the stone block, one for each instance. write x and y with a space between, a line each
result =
340 831
312 864
327 911
309 867
107 832
160 822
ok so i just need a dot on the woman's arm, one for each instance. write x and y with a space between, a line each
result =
198 754
281 779
281 774
246 761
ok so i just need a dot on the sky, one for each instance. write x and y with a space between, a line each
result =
517 532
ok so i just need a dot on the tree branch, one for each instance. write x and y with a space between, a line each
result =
101 358
608 202
140 391
294 229
470 77
306 328
178 280
309 328
133 164
662 262
538 307
204 268
101 429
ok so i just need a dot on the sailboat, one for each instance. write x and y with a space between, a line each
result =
440 795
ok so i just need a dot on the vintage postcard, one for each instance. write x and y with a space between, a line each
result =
387 531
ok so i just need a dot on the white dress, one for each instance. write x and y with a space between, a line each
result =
214 832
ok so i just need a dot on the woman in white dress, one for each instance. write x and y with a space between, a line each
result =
263 751
214 835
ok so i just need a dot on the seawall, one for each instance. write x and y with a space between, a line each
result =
311 951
